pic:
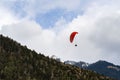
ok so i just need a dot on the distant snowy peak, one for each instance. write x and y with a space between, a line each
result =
100 63
80 63
84 64
70 62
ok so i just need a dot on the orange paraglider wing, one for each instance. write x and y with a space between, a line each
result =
72 36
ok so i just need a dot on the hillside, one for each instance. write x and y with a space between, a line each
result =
17 62
106 68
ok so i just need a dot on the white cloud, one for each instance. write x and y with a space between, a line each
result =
106 34
6 17
22 30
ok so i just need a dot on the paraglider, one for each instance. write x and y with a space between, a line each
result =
75 44
72 36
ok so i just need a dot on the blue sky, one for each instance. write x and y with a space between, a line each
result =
49 19
45 26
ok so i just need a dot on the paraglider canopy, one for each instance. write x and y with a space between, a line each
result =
72 36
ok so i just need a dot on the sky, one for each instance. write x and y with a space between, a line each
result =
45 26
